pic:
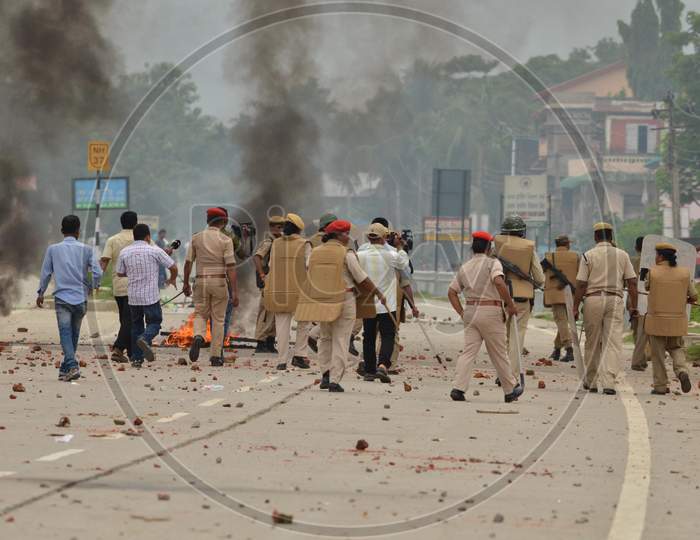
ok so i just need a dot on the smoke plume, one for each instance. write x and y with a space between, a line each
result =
55 84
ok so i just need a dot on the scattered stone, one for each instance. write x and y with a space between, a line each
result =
387 406
498 518
362 445
182 361
541 385
82 363
238 405
407 387
163 497
530 372
582 520
476 393
226 405
36 348
12 396
119 422
22 329
282 519
196 424
18 387
138 421
219 460
64 421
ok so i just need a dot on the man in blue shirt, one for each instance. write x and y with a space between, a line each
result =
69 263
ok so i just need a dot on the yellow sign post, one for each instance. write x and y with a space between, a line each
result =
98 156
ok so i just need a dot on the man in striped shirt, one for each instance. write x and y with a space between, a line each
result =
140 262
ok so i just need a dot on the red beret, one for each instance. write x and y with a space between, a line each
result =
216 212
482 235
338 226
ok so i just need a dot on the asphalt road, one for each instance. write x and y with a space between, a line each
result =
218 450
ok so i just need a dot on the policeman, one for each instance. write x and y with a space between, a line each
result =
670 289
600 283
314 242
642 353
213 253
481 279
513 249
282 285
265 323
329 297
560 262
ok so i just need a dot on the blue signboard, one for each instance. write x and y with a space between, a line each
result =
115 193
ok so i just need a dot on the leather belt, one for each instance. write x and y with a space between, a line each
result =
206 276
603 293
519 299
484 303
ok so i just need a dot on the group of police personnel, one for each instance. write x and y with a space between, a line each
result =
320 283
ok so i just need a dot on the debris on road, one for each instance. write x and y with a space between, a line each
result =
18 387
541 385
64 421
361 445
282 519
407 387
485 411
163 497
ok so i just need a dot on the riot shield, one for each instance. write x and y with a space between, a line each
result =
686 256
578 357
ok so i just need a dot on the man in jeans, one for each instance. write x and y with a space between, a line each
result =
69 263
381 265
113 248
140 262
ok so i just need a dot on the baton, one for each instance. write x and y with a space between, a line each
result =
431 344
516 335
173 298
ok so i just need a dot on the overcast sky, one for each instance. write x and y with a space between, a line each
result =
356 52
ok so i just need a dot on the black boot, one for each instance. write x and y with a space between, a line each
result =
261 347
569 356
197 343
325 380
271 345
300 362
556 355
313 344
457 395
351 349
335 387
216 361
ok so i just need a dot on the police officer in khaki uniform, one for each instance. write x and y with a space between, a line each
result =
265 323
566 262
314 242
512 247
213 253
642 353
329 297
666 323
282 285
481 279
600 283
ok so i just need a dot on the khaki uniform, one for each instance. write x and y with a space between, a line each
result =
282 286
642 351
554 295
666 321
520 252
482 323
212 251
605 269
265 322
330 297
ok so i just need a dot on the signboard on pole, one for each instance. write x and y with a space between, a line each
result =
449 230
526 196
98 156
114 193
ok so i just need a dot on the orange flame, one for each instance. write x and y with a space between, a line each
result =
183 336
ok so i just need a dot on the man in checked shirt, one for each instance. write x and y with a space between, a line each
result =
141 262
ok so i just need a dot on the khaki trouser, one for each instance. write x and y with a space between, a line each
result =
315 331
642 351
513 352
659 345
283 326
561 319
484 324
265 323
603 321
210 301
397 346
334 339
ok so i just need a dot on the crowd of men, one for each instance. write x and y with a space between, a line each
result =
333 288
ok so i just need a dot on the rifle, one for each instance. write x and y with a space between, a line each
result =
564 281
513 269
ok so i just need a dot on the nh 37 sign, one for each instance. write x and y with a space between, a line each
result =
526 196
98 156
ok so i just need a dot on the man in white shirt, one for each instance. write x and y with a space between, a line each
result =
381 265
140 262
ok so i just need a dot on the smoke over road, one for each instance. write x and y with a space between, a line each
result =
56 81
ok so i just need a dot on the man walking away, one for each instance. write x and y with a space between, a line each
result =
140 262
381 265
69 263
113 248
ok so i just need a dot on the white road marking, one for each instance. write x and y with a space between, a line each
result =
172 418
243 389
59 455
210 403
630 513
3 474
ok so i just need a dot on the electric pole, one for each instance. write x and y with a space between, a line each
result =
672 169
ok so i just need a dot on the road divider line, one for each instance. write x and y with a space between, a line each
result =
172 418
631 508
210 403
58 455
